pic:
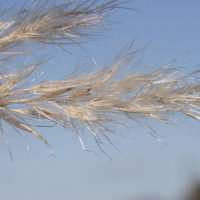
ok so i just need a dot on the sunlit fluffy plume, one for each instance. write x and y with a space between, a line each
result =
100 101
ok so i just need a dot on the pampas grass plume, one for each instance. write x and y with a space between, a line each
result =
98 101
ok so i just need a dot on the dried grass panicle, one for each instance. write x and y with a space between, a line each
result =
66 23
98 101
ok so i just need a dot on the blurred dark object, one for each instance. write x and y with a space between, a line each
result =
194 193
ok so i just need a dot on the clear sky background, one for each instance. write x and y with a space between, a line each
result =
147 167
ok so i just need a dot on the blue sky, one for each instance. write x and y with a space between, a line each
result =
147 167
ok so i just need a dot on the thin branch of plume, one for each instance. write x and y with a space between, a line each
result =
68 23
99 101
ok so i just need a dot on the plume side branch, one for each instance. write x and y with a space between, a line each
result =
61 24
99 101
